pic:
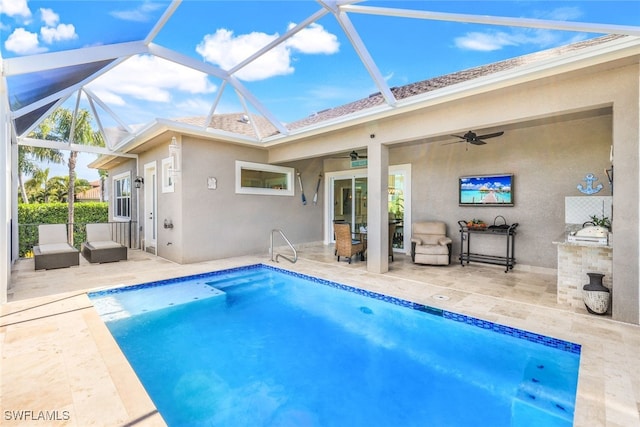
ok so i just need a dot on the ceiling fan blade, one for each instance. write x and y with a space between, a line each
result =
477 142
490 135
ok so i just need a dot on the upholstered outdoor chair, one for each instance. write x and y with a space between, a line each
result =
54 250
430 244
346 246
100 247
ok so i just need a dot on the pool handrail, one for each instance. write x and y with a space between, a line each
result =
295 253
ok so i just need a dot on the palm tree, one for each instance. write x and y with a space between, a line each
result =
60 186
62 126
28 157
37 189
104 174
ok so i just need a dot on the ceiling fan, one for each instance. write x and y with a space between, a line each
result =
353 156
475 139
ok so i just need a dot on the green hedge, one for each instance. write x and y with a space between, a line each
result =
32 215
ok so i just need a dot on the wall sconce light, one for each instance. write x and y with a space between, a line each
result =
138 181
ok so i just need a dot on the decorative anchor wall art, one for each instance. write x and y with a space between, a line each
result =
590 189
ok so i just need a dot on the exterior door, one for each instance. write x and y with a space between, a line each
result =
347 202
349 196
150 208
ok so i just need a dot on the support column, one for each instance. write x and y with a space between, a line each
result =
377 208
7 228
626 213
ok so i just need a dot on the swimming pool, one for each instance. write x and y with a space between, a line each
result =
258 346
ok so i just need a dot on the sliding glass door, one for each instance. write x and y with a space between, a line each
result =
349 195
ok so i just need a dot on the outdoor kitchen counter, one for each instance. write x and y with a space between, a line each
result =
563 239
575 260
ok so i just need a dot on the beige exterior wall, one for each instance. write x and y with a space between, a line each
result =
220 223
545 171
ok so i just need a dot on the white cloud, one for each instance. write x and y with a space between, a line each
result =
562 14
226 50
491 41
485 41
143 13
15 8
149 78
23 42
49 17
314 40
60 33
191 107
540 38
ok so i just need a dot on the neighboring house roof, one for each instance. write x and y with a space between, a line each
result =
92 194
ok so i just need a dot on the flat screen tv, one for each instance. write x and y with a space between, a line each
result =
486 190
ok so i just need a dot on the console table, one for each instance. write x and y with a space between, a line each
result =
506 231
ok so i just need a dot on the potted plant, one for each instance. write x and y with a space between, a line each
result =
602 221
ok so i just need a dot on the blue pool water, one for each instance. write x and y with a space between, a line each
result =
257 346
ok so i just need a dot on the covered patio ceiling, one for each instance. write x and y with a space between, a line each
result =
79 77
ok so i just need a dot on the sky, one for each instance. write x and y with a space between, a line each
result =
316 69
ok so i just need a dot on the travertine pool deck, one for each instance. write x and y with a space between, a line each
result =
61 367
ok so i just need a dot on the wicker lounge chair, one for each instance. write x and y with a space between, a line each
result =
53 250
99 246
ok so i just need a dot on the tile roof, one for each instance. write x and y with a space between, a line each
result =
424 86
236 123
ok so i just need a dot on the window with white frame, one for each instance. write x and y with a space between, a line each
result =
122 196
168 175
259 178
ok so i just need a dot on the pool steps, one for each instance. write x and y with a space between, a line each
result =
539 400
126 304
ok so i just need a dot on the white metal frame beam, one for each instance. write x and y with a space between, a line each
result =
365 56
496 20
47 61
60 145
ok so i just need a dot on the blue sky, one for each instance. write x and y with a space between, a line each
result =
314 70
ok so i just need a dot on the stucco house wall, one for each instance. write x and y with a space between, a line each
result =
548 162
220 223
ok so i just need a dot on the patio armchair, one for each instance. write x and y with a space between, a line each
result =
100 247
346 245
430 244
53 249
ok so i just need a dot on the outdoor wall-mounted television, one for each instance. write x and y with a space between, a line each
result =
486 190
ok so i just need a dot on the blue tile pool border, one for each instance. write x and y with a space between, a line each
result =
483 324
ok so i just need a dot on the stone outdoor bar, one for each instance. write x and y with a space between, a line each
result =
576 256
